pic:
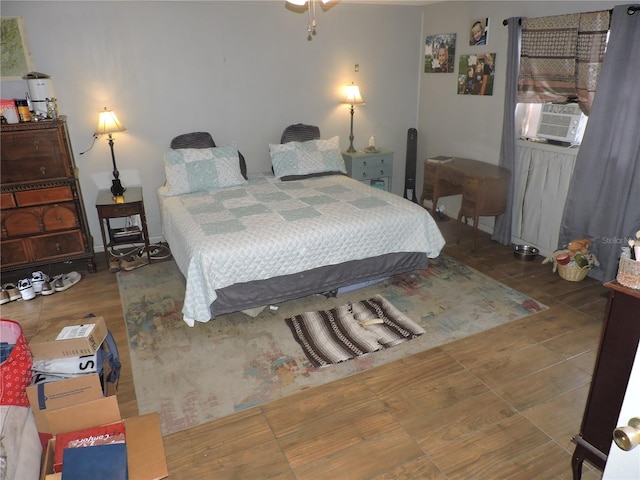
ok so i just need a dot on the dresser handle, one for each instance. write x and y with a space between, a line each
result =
59 219
382 160
43 170
364 174
57 247
36 144
381 173
364 162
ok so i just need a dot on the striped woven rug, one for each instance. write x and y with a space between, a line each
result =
351 330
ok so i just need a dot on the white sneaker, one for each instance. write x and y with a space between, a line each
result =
38 279
26 289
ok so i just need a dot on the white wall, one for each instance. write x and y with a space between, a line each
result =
245 70
471 125
240 70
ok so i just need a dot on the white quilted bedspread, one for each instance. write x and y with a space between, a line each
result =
269 228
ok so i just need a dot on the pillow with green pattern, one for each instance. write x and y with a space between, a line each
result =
190 170
294 160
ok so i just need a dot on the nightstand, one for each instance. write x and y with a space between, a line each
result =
129 204
375 169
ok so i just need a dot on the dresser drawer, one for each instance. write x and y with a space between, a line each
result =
7 201
24 221
60 217
45 218
44 195
470 189
119 210
367 166
372 168
28 156
14 252
57 245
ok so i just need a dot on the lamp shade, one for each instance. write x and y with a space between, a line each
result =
109 123
353 96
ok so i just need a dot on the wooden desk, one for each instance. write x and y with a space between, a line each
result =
483 187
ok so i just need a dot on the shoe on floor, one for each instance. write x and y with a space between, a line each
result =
156 252
4 296
47 289
12 291
133 262
114 264
26 289
66 281
37 280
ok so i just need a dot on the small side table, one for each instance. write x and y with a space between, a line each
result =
131 203
371 168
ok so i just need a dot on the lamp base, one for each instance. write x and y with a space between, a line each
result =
116 187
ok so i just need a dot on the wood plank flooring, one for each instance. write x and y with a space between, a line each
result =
502 404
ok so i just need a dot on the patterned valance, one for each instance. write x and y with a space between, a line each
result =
561 57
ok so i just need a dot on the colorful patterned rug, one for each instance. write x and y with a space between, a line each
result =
191 375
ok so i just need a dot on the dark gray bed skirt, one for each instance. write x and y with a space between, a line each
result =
258 293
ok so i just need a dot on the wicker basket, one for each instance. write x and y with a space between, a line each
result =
629 273
573 273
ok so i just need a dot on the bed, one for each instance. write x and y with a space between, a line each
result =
267 238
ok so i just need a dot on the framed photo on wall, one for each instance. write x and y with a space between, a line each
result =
476 74
479 32
439 53
16 59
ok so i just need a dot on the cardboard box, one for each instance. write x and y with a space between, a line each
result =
73 340
70 404
145 451
78 403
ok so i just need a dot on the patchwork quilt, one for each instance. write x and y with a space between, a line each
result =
268 228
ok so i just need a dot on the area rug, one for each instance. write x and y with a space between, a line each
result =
351 330
191 375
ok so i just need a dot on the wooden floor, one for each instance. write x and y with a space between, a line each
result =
502 404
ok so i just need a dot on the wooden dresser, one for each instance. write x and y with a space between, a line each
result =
616 352
43 215
483 187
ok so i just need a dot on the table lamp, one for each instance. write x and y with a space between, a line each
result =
108 124
352 98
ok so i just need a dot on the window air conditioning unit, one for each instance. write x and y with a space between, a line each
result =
561 123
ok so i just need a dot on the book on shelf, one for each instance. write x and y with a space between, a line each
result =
440 159
109 434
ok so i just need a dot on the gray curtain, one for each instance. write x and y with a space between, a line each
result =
603 203
502 227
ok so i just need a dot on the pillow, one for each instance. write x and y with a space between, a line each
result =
203 140
294 160
191 170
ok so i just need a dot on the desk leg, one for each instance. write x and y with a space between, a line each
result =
104 238
475 230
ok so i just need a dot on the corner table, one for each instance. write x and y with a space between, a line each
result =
129 204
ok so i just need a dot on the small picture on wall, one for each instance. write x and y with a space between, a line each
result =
439 53
476 73
479 33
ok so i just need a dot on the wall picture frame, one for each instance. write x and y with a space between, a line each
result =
476 74
439 53
479 32
15 57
